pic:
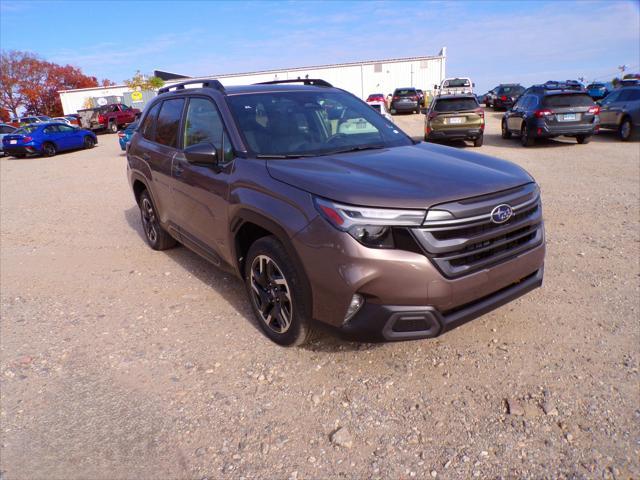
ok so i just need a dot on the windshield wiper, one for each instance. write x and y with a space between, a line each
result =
281 156
356 148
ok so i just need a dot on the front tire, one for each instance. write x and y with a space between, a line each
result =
157 237
278 292
625 130
48 149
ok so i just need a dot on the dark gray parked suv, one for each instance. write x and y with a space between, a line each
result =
330 213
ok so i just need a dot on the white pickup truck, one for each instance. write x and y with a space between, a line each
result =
453 86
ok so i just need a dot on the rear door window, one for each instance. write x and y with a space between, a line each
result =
567 100
455 104
147 128
629 95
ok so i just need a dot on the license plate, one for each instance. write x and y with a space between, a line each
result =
456 120
569 117
13 142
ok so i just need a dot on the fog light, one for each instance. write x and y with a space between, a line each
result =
356 303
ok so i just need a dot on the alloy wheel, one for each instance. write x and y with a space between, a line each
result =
149 220
271 294
625 129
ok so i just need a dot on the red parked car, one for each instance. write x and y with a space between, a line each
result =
375 97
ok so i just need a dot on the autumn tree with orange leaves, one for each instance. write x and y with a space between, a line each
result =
30 83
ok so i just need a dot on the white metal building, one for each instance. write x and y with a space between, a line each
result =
359 78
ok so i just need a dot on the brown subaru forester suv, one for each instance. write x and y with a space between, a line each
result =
330 213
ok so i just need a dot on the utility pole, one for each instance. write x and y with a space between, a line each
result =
622 68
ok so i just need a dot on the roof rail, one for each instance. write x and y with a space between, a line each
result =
210 83
306 81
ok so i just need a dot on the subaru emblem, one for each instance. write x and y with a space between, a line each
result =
501 213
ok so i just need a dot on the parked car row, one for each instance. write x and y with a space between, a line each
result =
548 110
46 139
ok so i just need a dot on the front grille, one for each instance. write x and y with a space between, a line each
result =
471 241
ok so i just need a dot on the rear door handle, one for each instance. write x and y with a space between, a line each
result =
177 169
145 156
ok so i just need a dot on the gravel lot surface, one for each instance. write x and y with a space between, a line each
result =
118 362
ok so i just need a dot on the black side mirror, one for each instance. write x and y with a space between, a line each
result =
202 154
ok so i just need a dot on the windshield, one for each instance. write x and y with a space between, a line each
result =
306 123
456 83
455 104
568 100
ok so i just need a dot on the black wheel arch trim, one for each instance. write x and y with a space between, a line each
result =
244 216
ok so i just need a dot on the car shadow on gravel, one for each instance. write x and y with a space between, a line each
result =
232 289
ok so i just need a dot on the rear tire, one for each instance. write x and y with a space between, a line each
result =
582 139
478 141
525 138
113 128
48 149
157 237
625 130
278 292
88 142
506 134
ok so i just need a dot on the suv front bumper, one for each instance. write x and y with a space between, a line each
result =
397 282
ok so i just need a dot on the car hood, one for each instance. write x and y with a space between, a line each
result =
416 176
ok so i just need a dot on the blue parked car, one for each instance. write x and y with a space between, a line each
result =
47 139
124 136
598 90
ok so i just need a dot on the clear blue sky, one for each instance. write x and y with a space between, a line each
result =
491 41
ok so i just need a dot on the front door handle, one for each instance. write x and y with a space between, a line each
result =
145 157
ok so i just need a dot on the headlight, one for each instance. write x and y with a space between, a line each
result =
370 226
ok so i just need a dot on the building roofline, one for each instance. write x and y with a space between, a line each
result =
92 88
282 70
330 65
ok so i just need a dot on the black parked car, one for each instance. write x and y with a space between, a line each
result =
551 110
506 96
405 100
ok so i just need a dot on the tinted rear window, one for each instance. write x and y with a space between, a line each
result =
168 122
515 90
456 83
567 100
595 85
406 92
376 107
455 104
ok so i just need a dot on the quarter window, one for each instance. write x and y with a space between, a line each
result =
204 125
168 122
149 121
